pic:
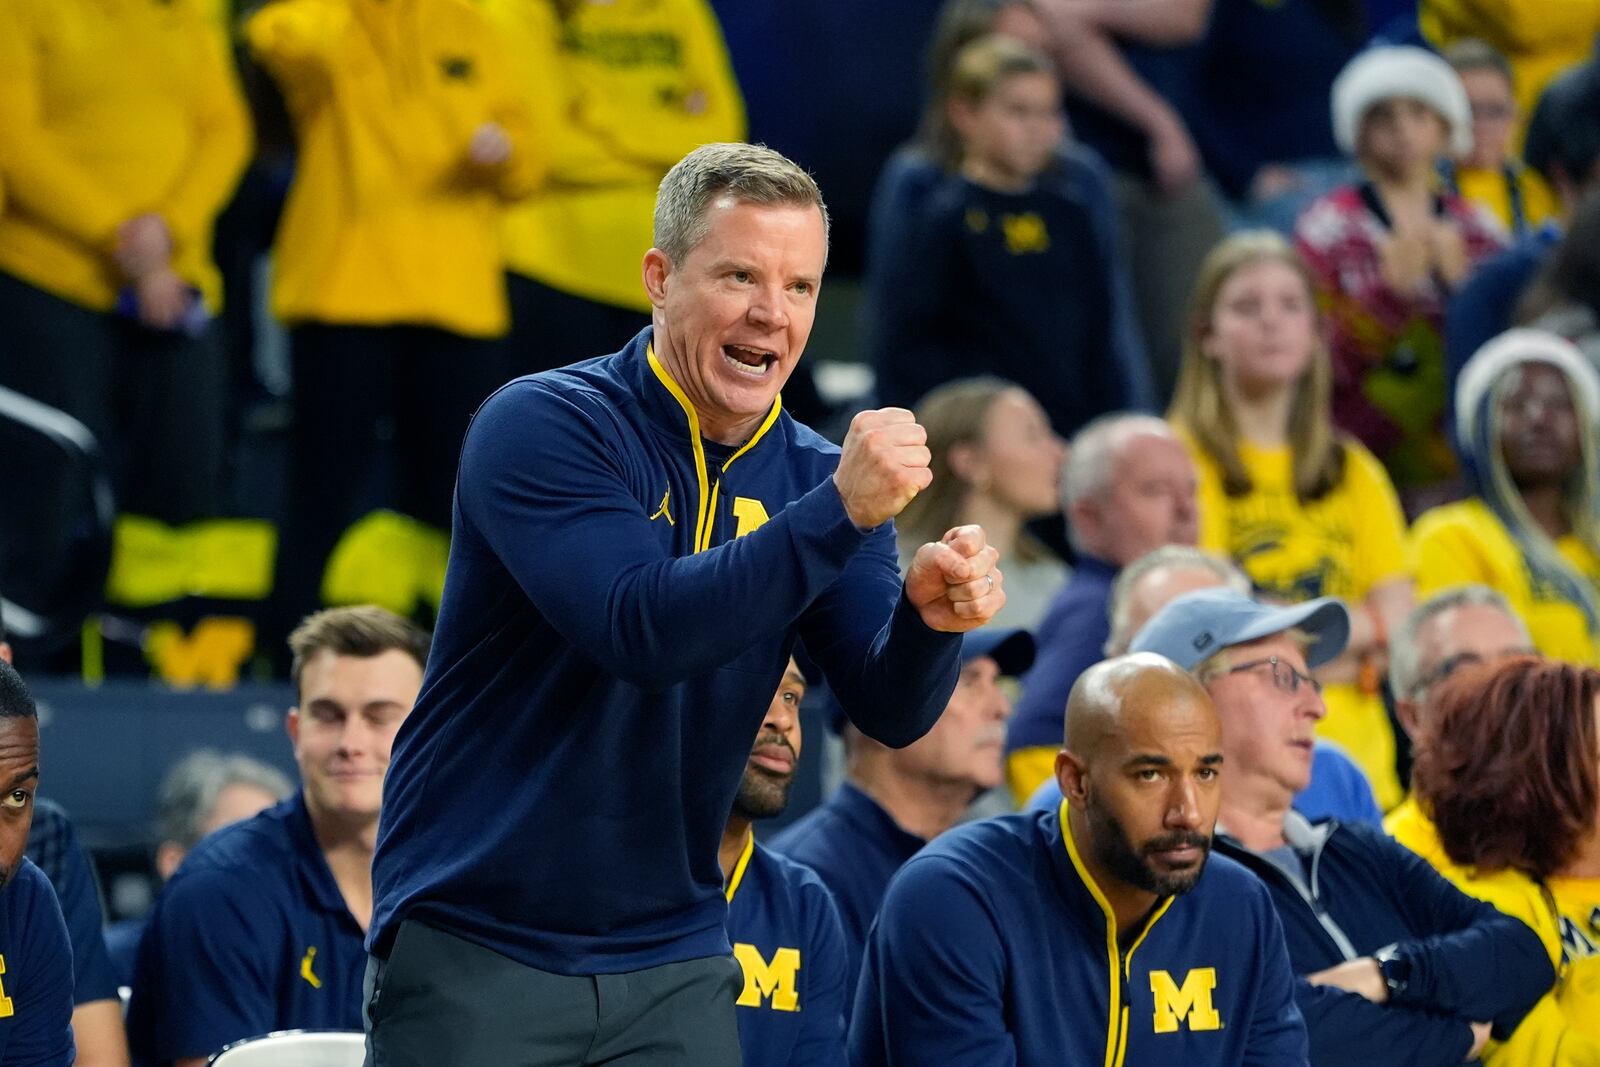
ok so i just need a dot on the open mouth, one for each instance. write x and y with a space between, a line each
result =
747 360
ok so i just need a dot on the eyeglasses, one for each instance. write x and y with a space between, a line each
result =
1287 678
1451 664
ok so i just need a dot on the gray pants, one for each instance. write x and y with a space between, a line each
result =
439 1000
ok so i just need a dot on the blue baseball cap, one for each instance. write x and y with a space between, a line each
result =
1011 650
1196 625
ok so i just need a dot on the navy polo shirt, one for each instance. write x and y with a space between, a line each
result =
251 935
855 847
785 932
35 974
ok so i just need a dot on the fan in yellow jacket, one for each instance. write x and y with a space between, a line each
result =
122 135
621 89
1527 415
1305 512
1505 808
412 136
1541 38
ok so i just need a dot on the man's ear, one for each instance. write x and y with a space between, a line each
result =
1406 712
291 726
1072 774
657 267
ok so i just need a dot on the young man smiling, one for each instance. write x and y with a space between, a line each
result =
261 927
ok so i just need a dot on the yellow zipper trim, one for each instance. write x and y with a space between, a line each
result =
1121 966
706 512
738 868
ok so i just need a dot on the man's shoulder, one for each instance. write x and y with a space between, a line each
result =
982 853
262 846
804 887
28 891
812 837
34 924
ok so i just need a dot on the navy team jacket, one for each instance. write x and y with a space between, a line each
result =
620 602
995 948
788 940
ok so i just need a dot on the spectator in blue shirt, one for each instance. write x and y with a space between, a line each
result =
261 927
782 921
1397 965
54 847
1563 145
1338 789
202 792
35 954
1097 933
1127 487
894 801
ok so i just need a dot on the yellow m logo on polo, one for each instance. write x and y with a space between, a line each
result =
774 981
752 514
6 1009
1189 1003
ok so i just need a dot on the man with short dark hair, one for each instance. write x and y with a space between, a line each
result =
35 955
54 846
781 918
892 802
261 927
639 542
1096 933
1399 966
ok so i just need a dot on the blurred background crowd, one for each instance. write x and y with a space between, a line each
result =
1312 286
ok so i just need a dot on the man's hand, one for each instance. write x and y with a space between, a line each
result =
1480 1038
1174 159
490 145
163 298
144 244
884 465
1362 977
954 584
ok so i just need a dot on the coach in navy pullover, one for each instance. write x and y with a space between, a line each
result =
1096 934
639 541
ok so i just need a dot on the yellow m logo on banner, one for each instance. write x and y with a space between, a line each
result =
1189 1003
763 980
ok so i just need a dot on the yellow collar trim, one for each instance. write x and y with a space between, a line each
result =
706 511
738 868
1120 965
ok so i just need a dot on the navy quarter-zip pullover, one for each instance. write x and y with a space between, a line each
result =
621 600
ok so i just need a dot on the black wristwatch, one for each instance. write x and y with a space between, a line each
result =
1395 968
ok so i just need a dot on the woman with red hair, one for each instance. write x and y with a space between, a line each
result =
1507 780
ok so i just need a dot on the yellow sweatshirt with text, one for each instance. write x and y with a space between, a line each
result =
625 88
111 109
388 221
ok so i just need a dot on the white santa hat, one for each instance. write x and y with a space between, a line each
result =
1390 71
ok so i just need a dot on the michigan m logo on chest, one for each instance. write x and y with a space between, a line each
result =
1188 1004
773 981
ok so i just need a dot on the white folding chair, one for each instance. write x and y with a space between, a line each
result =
295 1048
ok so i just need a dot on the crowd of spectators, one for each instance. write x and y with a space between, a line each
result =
1262 336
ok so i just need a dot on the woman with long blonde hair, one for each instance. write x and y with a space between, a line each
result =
1305 510
996 462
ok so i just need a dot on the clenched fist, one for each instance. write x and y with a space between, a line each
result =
884 465
954 583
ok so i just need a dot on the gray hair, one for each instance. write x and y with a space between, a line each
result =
190 790
1405 664
748 173
1184 556
1092 458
